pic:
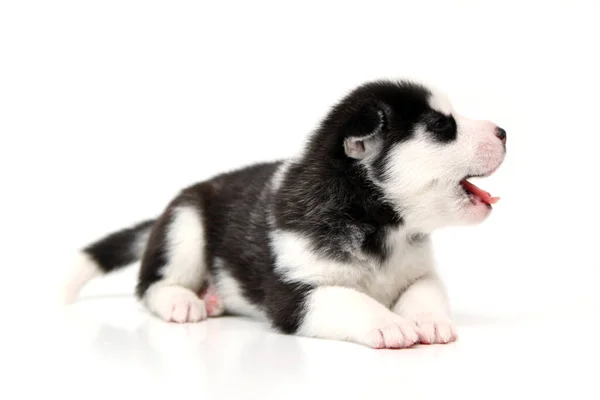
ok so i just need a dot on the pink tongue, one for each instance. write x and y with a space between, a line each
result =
483 195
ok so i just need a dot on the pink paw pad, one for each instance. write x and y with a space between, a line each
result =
212 301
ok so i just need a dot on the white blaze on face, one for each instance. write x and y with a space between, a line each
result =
440 102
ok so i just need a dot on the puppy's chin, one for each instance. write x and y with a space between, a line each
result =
474 212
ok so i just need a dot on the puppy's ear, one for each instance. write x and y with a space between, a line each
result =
363 129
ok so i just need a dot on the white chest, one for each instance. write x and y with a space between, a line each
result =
296 261
406 264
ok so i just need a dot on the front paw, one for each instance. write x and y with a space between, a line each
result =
396 334
434 329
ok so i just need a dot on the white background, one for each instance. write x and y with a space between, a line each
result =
108 108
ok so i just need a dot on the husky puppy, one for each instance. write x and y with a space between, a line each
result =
332 244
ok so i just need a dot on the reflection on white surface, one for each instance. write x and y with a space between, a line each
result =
110 347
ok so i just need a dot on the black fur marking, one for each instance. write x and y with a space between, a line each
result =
287 306
366 122
442 127
154 257
236 208
117 250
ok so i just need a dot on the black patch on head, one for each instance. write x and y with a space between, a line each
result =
395 107
369 120
328 195
404 105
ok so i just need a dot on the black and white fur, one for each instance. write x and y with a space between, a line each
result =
334 243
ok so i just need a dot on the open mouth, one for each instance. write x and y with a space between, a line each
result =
476 193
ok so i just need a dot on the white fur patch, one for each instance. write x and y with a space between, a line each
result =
425 303
427 295
486 150
297 262
174 297
230 293
279 175
185 249
345 314
141 243
440 102
406 263
81 271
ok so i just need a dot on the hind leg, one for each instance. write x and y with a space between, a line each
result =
174 269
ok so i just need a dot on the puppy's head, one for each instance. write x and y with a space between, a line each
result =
420 152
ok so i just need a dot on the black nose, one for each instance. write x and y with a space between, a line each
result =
501 133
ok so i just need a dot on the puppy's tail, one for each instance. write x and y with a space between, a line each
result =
110 253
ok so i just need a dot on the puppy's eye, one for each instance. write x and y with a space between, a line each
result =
443 128
439 123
